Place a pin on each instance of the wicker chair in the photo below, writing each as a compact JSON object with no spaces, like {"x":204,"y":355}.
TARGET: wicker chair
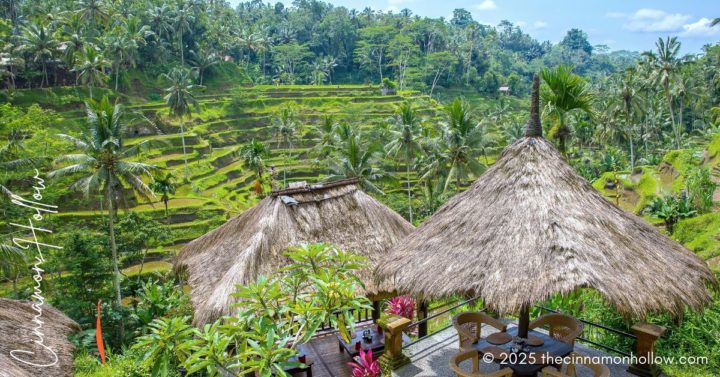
{"x":473,"y":354}
{"x":562,"y":327}
{"x":599,"y":370}
{"x":469,"y":327}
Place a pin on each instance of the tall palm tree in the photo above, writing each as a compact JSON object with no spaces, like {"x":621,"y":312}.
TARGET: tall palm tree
{"x":631,"y":105}
{"x":103,"y":157}
{"x":405,"y":142}
{"x":666,"y":65}
{"x":285,"y":126}
{"x":180,"y":99}
{"x":92,"y":11}
{"x":715,"y":21}
{"x":183,"y":19}
{"x":165,"y":186}
{"x":357,"y":159}
{"x":90,"y":68}
{"x":325,"y":138}
{"x":119,"y":47}
{"x":202,"y":60}
{"x":161,"y":21}
{"x":562,"y":93}
{"x":39,"y":42}
{"x":254,"y":154}
{"x":462,"y":141}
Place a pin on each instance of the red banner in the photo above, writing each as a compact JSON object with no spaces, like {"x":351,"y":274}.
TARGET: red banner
{"x":98,"y":336}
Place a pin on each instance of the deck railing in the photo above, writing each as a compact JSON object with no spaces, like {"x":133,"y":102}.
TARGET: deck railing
{"x":449,"y":307}
{"x":594,"y":332}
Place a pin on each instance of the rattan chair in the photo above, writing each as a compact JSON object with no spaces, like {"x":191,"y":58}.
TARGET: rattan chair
{"x":562,"y":327}
{"x":469,"y":327}
{"x":473,"y":354}
{"x":599,"y":370}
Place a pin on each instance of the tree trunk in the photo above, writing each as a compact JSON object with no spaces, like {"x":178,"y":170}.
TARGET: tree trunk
{"x":165,"y":200}
{"x":672,"y":118}
{"x":435,"y":80}
{"x":113,"y":249}
{"x":117,"y":74}
{"x":409,"y":192}
{"x":182,"y":53}
{"x":182,"y":137}
{"x":90,"y":87}
{"x":632,"y":155}
{"x":380,"y":66}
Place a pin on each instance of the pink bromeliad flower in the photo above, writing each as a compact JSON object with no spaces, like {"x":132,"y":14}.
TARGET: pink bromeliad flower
{"x":366,"y":366}
{"x":403,"y":306}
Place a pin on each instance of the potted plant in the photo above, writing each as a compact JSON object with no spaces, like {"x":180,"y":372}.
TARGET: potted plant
{"x":365,"y":366}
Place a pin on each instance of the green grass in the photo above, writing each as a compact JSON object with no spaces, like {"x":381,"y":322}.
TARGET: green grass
{"x":700,"y":234}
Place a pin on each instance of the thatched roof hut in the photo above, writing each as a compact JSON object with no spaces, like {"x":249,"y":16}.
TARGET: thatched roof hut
{"x":17,"y":331}
{"x":531,"y":227}
{"x":254,"y":242}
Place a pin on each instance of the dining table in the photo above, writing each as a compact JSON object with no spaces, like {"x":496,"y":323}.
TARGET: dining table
{"x":541,"y":350}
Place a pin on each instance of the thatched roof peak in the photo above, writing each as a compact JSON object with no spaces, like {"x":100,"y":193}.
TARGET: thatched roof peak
{"x":531,"y":227}
{"x":534,"y":126}
{"x":253,"y":243}
{"x":17,"y":333}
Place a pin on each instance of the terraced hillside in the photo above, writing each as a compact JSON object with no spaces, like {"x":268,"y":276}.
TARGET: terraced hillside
{"x":219,"y":186}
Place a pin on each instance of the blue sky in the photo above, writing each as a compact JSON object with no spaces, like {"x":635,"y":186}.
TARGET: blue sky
{"x":632,"y":25}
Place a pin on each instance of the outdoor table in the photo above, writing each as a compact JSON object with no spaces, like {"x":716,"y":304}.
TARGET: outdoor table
{"x":308,"y":364}
{"x":377,"y":345}
{"x":551,"y":346}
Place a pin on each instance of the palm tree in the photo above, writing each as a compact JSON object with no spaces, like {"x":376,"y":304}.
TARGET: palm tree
{"x":92,"y":11}
{"x":90,"y":68}
{"x":631,"y":107}
{"x":183,"y":18}
{"x":405,"y":142}
{"x":325,"y":138}
{"x":356,"y":159}
{"x":180,"y":100}
{"x":203,"y":60}
{"x":161,"y":21}
{"x":461,"y":140}
{"x":104,"y":158}
{"x":715,"y":21}
{"x":12,"y":259}
{"x":285,"y":127}
{"x":164,"y":185}
{"x":665,"y":66}
{"x":562,"y":93}
{"x":253,"y":155}
{"x":37,"y":41}
{"x":119,"y":47}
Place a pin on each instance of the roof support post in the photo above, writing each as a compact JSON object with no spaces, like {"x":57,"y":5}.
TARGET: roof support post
{"x":647,"y":334}
{"x":393,"y":357}
{"x":422,"y":313}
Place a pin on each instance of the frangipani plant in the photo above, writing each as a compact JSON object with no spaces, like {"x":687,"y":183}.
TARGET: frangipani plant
{"x":279,"y":313}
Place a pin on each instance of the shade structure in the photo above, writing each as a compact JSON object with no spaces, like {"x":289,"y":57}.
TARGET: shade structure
{"x":18,"y":334}
{"x":253,"y":243}
{"x":531,"y":227}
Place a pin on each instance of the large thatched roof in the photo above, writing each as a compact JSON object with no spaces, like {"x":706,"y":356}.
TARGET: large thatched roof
{"x":17,"y":333}
{"x":530,"y":227}
{"x":253,"y":243}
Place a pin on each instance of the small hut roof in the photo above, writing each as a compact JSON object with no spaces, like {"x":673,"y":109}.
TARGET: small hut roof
{"x":16,"y":332}
{"x":531,"y":227}
{"x":254,"y":242}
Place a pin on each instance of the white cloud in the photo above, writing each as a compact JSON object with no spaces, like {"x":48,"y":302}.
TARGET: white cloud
{"x":486,"y":5}
{"x":700,"y":28}
{"x":540,"y":24}
{"x":654,"y":20}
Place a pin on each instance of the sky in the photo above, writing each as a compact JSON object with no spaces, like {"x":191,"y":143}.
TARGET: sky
{"x":621,"y":25}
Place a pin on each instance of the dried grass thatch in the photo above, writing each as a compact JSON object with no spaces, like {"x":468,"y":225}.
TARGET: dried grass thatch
{"x":253,"y":243}
{"x":531,"y":227}
{"x":17,"y":333}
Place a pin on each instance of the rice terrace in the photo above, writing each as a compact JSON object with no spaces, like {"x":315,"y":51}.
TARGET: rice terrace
{"x":359,"y":188}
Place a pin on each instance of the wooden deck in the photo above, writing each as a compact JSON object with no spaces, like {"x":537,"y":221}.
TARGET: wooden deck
{"x":327,"y":359}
